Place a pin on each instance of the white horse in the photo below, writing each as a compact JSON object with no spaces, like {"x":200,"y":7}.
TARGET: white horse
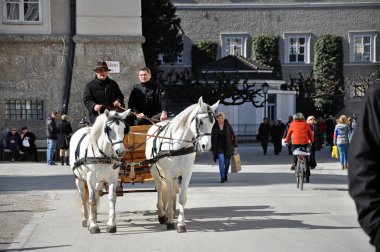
{"x":173,"y":151}
{"x":95,"y":156}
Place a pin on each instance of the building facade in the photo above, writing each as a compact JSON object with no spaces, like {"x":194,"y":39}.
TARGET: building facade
{"x":41,"y":40}
{"x":299,"y":24}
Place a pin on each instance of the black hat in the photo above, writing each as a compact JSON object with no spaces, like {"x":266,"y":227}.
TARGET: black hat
{"x":101,"y":65}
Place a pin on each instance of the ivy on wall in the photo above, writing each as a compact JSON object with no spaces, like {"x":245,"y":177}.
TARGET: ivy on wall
{"x":328,"y":74}
{"x":265,"y":51}
{"x":202,"y":53}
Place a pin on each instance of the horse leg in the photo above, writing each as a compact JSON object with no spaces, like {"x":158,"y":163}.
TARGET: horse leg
{"x":93,"y":226}
{"x":181,"y":226}
{"x":83,"y":193}
{"x":111,"y":224}
{"x":161,"y":195}
{"x":171,"y":196}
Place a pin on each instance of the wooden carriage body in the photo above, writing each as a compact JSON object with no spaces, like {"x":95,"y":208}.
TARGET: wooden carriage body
{"x":135,"y":143}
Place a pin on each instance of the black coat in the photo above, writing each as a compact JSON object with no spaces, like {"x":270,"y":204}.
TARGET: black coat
{"x":318,"y":137}
{"x":364,"y":166}
{"x":230,"y":141}
{"x":147,"y":98}
{"x":32,"y":139}
{"x":65,"y":130}
{"x":101,"y":92}
{"x":51,"y":129}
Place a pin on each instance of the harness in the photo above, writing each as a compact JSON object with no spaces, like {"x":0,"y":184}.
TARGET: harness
{"x":104,"y":159}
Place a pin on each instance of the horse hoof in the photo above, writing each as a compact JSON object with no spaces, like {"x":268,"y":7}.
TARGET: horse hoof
{"x":170,"y":226}
{"x":94,"y":230}
{"x":162,"y":219}
{"x":111,"y":229}
{"x":181,"y":229}
{"x":84,"y":223}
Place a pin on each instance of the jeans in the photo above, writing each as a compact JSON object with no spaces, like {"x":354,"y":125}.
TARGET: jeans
{"x":343,"y":153}
{"x":51,"y":145}
{"x":224,"y":165}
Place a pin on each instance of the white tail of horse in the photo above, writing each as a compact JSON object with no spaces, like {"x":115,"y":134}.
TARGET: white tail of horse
{"x":178,"y":139}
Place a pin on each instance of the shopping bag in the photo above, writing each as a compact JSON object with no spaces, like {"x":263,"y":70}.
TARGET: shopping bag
{"x":334,"y":152}
{"x":235,"y":163}
{"x":25,"y":142}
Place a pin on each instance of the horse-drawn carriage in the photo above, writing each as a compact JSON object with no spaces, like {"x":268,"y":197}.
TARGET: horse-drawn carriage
{"x":108,"y":154}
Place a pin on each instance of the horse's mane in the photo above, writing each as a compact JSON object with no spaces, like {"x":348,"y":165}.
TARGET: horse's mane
{"x":182,"y":120}
{"x":97,"y":128}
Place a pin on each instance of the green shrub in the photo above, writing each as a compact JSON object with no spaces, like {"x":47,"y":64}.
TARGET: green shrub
{"x":265,"y":50}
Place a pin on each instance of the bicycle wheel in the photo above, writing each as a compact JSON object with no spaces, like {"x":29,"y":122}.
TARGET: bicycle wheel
{"x":302,"y":174}
{"x":298,"y":174}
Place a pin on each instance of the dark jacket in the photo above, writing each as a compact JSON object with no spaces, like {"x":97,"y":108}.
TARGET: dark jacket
{"x":64,"y":129}
{"x":264,"y":130}
{"x":32,"y":139}
{"x":276,"y":132}
{"x":230,"y":141}
{"x":15,"y":137}
{"x":51,"y":129}
{"x":147,"y":98}
{"x":101,"y":92}
{"x":364,"y":166}
{"x":318,"y":136}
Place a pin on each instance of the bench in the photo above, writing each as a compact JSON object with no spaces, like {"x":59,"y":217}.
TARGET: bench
{"x":41,"y":149}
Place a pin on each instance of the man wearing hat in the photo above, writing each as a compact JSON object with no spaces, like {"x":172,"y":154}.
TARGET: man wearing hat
{"x":101,"y":93}
{"x":28,"y":143}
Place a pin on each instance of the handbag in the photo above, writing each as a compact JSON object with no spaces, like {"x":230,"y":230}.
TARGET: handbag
{"x":25,"y":142}
{"x":235,"y":163}
{"x":334,"y":152}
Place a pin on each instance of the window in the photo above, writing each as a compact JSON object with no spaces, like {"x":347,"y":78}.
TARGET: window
{"x":179,"y":60}
{"x":24,"y":110}
{"x":234,"y":44}
{"x":297,"y":48}
{"x":25,"y":11}
{"x":362,"y":46}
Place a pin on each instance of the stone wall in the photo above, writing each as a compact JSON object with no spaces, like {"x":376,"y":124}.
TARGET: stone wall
{"x":32,"y":67}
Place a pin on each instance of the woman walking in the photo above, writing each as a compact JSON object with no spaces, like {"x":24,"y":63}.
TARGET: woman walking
{"x":223,"y":142}
{"x":65,"y":130}
{"x":341,"y":139}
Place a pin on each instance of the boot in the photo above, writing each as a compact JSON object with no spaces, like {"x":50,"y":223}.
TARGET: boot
{"x":62,"y":161}
{"x":342,"y":167}
{"x":67,"y":160}
{"x":346,"y":166}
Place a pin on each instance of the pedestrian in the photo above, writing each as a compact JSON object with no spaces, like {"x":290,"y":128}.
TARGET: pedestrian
{"x":65,"y":130}
{"x":52,"y":137}
{"x":364,"y":161}
{"x":12,"y":141}
{"x":330,"y":126}
{"x":276,"y":133}
{"x":317,"y":145}
{"x":147,"y":101}
{"x":28,"y":145}
{"x":352,"y":125}
{"x":223,"y":142}
{"x":102,"y":93}
{"x":287,"y":125}
{"x":341,"y":139}
{"x":264,"y":133}
{"x":302,"y":137}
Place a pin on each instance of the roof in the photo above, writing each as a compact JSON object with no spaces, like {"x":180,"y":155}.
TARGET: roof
{"x":236,"y":64}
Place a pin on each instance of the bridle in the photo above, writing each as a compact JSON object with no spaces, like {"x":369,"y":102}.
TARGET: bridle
{"x":198,"y":122}
{"x":107,"y":129}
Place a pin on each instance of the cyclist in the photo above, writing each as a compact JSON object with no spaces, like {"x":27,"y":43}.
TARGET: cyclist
{"x":302,"y":136}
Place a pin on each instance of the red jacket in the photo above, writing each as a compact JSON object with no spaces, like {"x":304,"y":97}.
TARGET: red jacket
{"x":300,"y":132}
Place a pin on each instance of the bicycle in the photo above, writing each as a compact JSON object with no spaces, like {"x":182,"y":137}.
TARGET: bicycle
{"x":300,"y":170}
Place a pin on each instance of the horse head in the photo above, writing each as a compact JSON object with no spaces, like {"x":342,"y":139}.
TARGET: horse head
{"x":115,"y":129}
{"x":202,"y":124}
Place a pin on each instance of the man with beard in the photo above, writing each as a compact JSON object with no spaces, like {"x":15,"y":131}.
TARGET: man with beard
{"x":102,"y":93}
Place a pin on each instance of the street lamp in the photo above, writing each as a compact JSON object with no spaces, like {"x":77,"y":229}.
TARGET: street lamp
{"x":265,"y":88}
